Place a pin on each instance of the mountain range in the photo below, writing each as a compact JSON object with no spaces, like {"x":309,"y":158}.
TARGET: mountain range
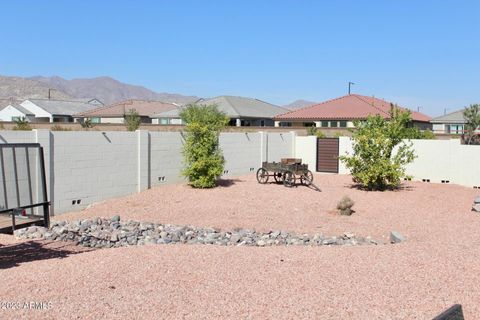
{"x":106,"y":89}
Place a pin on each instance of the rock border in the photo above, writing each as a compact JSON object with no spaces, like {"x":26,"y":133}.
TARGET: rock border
{"x":114,"y":233}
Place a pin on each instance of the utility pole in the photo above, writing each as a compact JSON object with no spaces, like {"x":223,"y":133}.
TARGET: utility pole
{"x":349,"y":86}
{"x":49,"y":93}
{"x":418,"y":109}
{"x":445,"y":111}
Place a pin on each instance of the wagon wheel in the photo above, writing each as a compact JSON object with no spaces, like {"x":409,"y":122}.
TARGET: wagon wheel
{"x":278,"y":176}
{"x":288,"y":179}
{"x":307,"y":178}
{"x":262,"y":176}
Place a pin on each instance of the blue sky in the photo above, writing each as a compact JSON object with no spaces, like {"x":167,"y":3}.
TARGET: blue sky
{"x":415,"y":53}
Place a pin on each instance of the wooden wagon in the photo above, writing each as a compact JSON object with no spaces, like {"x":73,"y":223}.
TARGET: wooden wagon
{"x":287,"y":171}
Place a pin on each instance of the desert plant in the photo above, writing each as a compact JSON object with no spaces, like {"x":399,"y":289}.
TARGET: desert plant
{"x":373,"y":164}
{"x":345,"y":206}
{"x":472,"y":117}
{"x":320,"y":134}
{"x":21,"y":124}
{"x":87,"y":124}
{"x":427,"y":134}
{"x":132,"y":120}
{"x":58,"y":127}
{"x":203,"y":158}
{"x":312,"y":131}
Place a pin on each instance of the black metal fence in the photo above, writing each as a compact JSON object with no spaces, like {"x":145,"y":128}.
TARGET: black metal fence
{"x":23,"y":185}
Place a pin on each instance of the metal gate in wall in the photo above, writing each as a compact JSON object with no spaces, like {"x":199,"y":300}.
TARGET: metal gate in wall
{"x":327,"y":155}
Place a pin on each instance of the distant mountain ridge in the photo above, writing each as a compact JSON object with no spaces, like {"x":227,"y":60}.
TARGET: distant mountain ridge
{"x":298,"y":104}
{"x":106,"y":89}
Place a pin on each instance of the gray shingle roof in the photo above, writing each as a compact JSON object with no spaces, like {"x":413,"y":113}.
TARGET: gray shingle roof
{"x":21,"y":109}
{"x":235,"y":107}
{"x":62,"y":107}
{"x":453,"y":117}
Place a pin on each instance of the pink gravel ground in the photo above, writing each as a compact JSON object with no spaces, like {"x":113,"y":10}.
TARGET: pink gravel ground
{"x":437,"y":266}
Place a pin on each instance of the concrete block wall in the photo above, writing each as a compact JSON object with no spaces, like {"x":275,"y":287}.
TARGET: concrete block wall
{"x":166,"y":157}
{"x":439,"y":161}
{"x":242,"y":152}
{"x":86,"y":167}
{"x":306,"y":149}
{"x":93,"y":166}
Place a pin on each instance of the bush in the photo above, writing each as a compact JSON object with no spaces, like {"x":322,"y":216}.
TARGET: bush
{"x":21,"y":124}
{"x":204,"y":162}
{"x":373,"y":164}
{"x":312,"y":131}
{"x":345,"y":206}
{"x":320,"y":135}
{"x":132,"y":120}
{"x":1,"y":126}
{"x":58,"y":127}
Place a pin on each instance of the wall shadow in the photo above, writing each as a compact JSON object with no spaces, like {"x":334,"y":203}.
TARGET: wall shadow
{"x":15,"y":254}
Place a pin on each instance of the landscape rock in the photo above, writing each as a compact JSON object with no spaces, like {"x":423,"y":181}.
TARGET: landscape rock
{"x":396,"y":237}
{"x":108,"y":233}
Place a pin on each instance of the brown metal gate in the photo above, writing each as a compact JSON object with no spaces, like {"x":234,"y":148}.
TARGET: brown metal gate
{"x":327,"y":155}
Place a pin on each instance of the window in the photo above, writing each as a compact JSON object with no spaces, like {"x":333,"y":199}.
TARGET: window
{"x":164,"y":121}
{"x":16,"y":118}
{"x":309,"y":124}
{"x":285,"y":124}
{"x":455,"y":129}
{"x":343,"y":124}
{"x":325,"y":124}
{"x":333,"y":124}
{"x":95,"y":120}
{"x":262,"y":123}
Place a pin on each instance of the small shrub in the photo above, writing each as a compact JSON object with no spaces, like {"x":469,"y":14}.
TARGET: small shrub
{"x":1,"y":126}
{"x":312,"y":131}
{"x":203,"y":158}
{"x":428,"y":134}
{"x":345,"y":206}
{"x":132,"y":120}
{"x":338,"y":134}
{"x":21,"y":124}
{"x":58,"y":127}
{"x":320,"y":134}
{"x":374,"y":164}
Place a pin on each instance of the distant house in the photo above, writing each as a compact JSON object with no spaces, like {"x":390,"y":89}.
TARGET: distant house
{"x":14,"y":112}
{"x":51,"y":110}
{"x":115,"y":113}
{"x":242,"y":111}
{"x":342,"y":112}
{"x":450,"y":123}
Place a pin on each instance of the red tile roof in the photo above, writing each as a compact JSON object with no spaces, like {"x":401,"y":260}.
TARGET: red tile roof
{"x":350,"y":107}
{"x":143,"y":107}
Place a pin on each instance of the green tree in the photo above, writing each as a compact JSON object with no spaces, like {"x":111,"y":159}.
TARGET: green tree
{"x":132,"y":120}
{"x":472,"y":117}
{"x":203,"y":158}
{"x":374,"y":164}
{"x":21,"y":124}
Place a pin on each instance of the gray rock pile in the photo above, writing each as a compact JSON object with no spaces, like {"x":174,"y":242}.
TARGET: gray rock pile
{"x":476,"y":204}
{"x":108,"y":233}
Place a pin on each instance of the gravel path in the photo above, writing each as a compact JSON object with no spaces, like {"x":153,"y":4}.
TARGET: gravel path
{"x":436,"y":267}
